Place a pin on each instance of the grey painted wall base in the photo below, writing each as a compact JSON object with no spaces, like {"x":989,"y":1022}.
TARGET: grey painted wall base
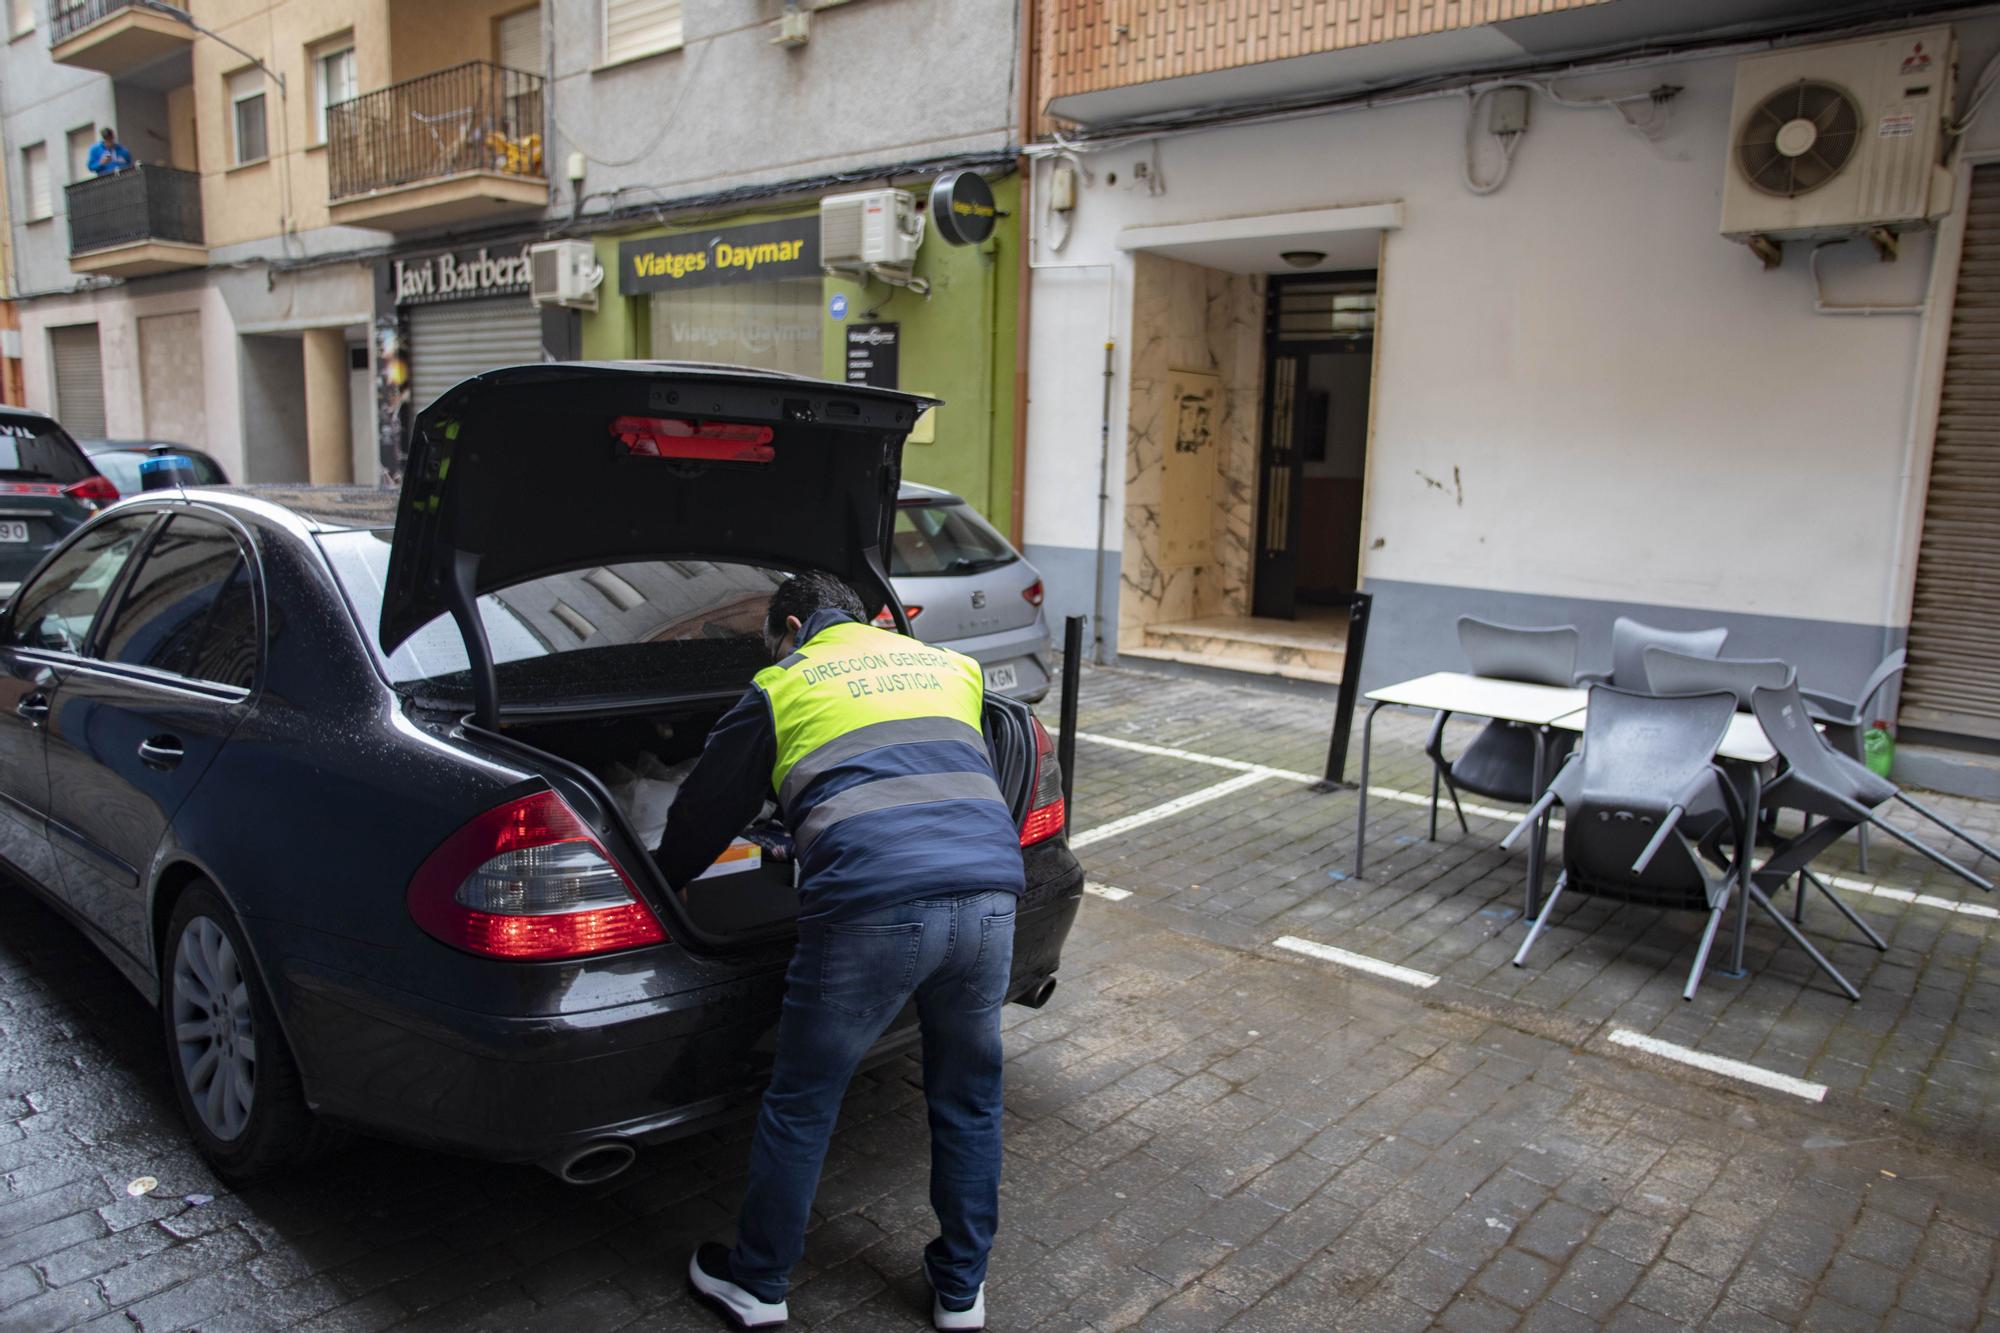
{"x":1066,"y":574}
{"x":1414,"y":630}
{"x":1954,"y":772}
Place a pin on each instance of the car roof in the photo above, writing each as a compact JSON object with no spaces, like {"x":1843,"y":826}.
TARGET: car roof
{"x":915,"y":492}
{"x":133,"y":446}
{"x":322,"y":508}
{"x":14,"y":413}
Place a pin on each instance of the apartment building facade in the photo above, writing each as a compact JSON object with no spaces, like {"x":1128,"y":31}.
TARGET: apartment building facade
{"x":1432,"y":300}
{"x":227,"y":290}
{"x":332,"y":201}
{"x":757,"y":115}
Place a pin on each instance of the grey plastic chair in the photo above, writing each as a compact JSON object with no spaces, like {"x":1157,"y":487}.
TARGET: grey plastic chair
{"x":1500,"y":761}
{"x":1846,"y":720}
{"x":1838,"y":791}
{"x":1631,"y":795}
{"x":1631,"y":638}
{"x":1671,"y":672}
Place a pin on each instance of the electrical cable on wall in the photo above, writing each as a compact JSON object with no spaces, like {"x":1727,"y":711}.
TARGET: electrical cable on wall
{"x":667,"y":121}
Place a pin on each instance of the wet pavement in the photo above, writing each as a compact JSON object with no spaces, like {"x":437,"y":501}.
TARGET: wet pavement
{"x":1204,"y":1129}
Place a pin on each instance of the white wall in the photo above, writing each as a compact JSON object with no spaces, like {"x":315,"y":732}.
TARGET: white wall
{"x":1635,"y":411}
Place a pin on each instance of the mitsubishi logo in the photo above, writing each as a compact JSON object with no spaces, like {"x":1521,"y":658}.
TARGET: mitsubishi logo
{"x":978,"y":599}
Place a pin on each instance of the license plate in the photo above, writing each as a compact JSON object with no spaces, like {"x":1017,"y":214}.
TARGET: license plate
{"x":1001,"y":677}
{"x":13,"y":531}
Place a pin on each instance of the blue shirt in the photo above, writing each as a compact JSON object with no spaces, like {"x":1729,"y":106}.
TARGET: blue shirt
{"x":106,"y":158}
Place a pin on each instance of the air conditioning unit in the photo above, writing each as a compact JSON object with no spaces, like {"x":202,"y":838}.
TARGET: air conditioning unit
{"x":1835,"y":140}
{"x":870,"y":229}
{"x":564,"y":273}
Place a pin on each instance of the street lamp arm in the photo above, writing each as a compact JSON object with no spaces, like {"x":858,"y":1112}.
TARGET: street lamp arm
{"x":182,"y":16}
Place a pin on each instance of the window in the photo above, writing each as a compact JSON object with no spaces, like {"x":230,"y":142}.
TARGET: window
{"x":697,"y":622}
{"x":246,"y":103}
{"x":634,"y":28}
{"x":37,"y":449}
{"x":189,"y":610}
{"x":23,"y":16}
{"x":944,"y":539}
{"x":79,"y":153}
{"x":517,"y":41}
{"x":35,"y":180}
{"x":770,"y":325}
{"x":333,"y":82}
{"x":55,"y":610}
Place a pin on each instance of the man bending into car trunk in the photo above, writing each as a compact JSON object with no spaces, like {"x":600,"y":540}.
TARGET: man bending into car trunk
{"x":910,"y":870}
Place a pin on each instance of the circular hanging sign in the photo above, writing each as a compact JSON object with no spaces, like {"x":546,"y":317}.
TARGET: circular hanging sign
{"x":962,"y":208}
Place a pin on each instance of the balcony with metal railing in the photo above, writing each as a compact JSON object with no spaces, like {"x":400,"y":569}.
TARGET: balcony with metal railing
{"x":145,"y":220}
{"x":116,"y":37}
{"x":459,"y":145}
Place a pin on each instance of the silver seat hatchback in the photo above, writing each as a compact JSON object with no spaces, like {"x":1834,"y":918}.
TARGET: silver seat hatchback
{"x":966,"y":588}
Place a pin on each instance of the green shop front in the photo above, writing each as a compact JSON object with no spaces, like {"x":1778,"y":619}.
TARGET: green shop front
{"x":750,"y":290}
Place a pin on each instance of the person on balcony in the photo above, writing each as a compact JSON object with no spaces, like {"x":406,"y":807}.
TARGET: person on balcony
{"x":108,"y":157}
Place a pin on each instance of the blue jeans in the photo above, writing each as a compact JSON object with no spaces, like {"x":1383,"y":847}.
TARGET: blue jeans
{"x":847,"y":981}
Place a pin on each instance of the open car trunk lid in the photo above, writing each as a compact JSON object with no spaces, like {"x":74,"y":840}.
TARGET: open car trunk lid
{"x":534,"y":470}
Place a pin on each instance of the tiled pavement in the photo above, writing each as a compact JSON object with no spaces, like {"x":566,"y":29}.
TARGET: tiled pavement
{"x":1202,"y":1131}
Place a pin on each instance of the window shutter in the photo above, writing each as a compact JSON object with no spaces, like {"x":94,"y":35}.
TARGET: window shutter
{"x":35,"y":166}
{"x":521,"y":41}
{"x":634,"y":28}
{"x":80,"y":142}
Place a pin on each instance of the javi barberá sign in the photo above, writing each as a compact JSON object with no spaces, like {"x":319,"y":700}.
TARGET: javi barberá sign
{"x":459,"y":275}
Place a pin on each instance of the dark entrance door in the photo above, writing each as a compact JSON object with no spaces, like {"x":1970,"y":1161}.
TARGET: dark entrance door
{"x":1319,"y":346}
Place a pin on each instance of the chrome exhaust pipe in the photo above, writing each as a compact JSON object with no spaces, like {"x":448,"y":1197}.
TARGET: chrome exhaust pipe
{"x":592,"y":1164}
{"x":1038,"y":995}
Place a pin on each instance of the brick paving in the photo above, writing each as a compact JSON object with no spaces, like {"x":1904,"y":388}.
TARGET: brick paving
{"x":1202,"y":1131}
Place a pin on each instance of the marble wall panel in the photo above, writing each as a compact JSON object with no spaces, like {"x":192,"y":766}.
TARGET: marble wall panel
{"x":1185,"y":317}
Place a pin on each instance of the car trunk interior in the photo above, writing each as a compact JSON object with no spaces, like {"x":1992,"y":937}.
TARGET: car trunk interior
{"x":742,"y":901}
{"x":619,"y":752}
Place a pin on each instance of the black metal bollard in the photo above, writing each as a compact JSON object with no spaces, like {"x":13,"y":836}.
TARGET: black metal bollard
{"x":1072,"y":678}
{"x":1350,"y":685}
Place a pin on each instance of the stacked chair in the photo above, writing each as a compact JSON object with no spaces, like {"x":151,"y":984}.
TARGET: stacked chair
{"x":1646,"y":812}
{"x":1500,"y":761}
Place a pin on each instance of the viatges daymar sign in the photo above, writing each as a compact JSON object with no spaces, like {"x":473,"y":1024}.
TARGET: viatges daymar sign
{"x":758,"y":252}
{"x":460,"y":275}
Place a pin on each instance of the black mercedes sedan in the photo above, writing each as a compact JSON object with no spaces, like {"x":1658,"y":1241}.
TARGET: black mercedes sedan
{"x":361,"y":797}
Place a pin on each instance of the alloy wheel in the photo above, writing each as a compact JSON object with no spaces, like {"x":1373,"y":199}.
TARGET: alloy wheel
{"x":214,"y":1032}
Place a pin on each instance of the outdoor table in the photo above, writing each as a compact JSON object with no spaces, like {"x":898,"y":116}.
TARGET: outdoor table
{"x":1535,"y":706}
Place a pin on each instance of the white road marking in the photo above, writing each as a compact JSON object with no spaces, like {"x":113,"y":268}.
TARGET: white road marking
{"x":1168,"y":810}
{"x":1870,"y":887}
{"x":1360,"y":962}
{"x":1105,"y":891}
{"x":1717,"y":1064}
{"x":1289,"y":774}
{"x":1847,"y":882}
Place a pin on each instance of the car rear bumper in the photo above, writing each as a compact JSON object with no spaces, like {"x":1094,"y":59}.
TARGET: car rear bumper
{"x":528,"y":1089}
{"x":1028,"y":648}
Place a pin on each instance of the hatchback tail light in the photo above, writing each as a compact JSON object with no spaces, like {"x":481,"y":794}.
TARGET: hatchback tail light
{"x":885,"y":620}
{"x":92,"y":491}
{"x":694,"y":441}
{"x":528,"y":880}
{"x":1032,"y":594}
{"x":1045,"y":799}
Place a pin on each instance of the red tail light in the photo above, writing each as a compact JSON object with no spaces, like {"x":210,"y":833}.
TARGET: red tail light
{"x":92,"y":491}
{"x":701,"y":441}
{"x":1045,"y":799}
{"x":884,"y":620}
{"x":1032,"y":594}
{"x":528,"y":880}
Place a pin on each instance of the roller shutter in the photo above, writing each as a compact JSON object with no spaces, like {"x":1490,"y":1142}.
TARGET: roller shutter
{"x":1953,"y":682}
{"x":79,"y":367}
{"x":452,"y":342}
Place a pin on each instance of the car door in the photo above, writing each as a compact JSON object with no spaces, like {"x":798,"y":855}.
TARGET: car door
{"x":41,"y":637}
{"x":135,"y":722}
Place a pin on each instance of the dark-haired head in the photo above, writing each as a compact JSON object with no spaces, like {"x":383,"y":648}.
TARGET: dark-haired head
{"x":798,"y":598}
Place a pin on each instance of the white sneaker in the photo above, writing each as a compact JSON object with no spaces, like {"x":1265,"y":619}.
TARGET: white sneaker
{"x":973,"y":1318}
{"x":708,"y":1274}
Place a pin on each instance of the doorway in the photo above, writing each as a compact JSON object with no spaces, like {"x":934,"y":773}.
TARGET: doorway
{"x":1319,"y":355}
